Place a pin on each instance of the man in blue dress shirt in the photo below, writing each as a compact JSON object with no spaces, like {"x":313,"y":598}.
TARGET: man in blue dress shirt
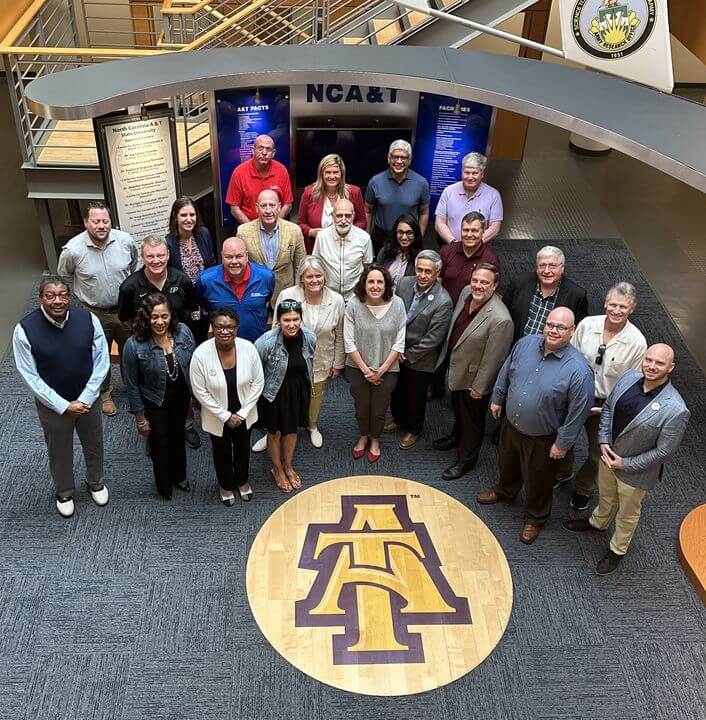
{"x":546,"y":388}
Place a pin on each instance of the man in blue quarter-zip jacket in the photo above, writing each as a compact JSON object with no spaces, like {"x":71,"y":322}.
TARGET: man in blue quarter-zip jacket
{"x":239,"y":284}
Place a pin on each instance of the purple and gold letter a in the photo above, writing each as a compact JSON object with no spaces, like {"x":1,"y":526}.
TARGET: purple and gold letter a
{"x":378,"y":573}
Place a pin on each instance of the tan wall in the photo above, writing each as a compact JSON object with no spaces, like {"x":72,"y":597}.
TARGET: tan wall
{"x":11,"y":13}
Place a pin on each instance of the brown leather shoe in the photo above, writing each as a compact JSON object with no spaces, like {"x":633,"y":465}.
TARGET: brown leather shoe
{"x":407,"y":441}
{"x":529,"y":533}
{"x":390,"y":426}
{"x":108,"y":406}
{"x":488,"y":497}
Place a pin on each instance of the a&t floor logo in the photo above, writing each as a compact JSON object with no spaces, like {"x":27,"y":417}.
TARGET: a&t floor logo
{"x":377,"y":573}
{"x":379,"y":585}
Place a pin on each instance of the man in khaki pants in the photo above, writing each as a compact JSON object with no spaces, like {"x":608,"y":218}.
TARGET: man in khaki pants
{"x":642,"y":423}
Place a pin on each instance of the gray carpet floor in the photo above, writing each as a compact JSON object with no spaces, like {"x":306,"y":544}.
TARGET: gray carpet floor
{"x":139,"y":610}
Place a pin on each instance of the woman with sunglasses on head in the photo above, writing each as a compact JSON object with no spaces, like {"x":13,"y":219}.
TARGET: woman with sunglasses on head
{"x":287,"y":354}
{"x":191,"y":250}
{"x":155,"y":365}
{"x":398,"y":253}
{"x":226,"y":378}
{"x":316,"y":205}
{"x":374,"y":335}
{"x":323,"y":314}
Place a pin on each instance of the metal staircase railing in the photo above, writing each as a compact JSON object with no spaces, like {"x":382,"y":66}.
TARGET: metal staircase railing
{"x":51,"y":36}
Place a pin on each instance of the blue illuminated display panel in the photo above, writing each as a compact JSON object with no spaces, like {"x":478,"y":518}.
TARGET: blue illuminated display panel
{"x":447,"y":129}
{"x":239,"y":120}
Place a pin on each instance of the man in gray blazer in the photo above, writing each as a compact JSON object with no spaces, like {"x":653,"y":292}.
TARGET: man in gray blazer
{"x":428,"y":308}
{"x":478,"y":341}
{"x":642,"y":423}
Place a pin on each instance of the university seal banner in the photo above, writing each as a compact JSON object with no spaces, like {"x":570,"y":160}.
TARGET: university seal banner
{"x":628,"y":38}
{"x":379,"y":585}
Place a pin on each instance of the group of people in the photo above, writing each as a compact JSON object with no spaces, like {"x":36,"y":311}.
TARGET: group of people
{"x":292,"y":305}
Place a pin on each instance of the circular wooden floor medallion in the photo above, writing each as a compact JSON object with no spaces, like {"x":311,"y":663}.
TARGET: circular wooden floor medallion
{"x":379,"y":585}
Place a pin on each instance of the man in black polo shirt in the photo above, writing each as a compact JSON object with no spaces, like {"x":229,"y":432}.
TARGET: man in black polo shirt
{"x":641,"y":426}
{"x":158,"y":276}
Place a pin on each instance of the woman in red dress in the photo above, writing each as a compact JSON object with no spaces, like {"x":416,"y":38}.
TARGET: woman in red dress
{"x":317,"y":201}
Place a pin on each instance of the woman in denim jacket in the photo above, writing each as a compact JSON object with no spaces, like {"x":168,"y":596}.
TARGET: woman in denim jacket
{"x":155,"y":363}
{"x":287,"y":354}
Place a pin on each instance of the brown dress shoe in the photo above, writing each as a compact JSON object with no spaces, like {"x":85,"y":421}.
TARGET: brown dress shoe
{"x":529,"y":533}
{"x":108,"y":406}
{"x":390,"y":427}
{"x":407,"y":441}
{"x":488,"y":497}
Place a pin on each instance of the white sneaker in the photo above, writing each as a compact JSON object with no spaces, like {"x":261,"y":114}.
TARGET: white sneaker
{"x":260,"y":445}
{"x":65,"y":507}
{"x":317,"y":439}
{"x":100,"y":497}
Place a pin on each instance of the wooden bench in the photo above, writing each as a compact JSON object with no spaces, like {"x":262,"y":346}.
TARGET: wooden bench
{"x":692,"y":548}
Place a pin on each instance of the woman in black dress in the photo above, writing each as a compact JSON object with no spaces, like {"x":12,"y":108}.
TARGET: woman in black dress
{"x":287,"y":354}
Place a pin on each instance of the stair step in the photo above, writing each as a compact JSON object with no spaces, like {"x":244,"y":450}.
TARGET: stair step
{"x":414,"y":18}
{"x":355,"y":41}
{"x":386,"y":30}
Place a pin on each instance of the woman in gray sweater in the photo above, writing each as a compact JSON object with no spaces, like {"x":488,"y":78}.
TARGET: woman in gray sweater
{"x":373,"y":333}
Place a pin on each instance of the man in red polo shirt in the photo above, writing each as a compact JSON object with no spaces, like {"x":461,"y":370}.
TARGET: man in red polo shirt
{"x":251,"y":177}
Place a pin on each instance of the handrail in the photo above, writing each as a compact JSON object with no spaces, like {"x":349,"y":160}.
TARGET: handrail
{"x":191,"y":10}
{"x":23,"y":21}
{"x":228,"y":22}
{"x":78,"y":52}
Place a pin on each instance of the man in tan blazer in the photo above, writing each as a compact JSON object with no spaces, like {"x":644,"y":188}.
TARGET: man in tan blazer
{"x":478,"y":341}
{"x":275,"y":243}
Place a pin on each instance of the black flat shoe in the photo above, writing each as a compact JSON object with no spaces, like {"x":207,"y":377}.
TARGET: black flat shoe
{"x":184,"y":487}
{"x":445,"y":443}
{"x":228,"y":502}
{"x":457,"y":470}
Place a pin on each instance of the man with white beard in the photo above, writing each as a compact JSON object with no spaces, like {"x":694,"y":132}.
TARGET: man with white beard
{"x":343,"y":249}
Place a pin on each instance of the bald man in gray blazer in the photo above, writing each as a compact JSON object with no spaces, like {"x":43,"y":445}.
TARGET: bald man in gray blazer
{"x":641,"y":426}
{"x":479,"y":340}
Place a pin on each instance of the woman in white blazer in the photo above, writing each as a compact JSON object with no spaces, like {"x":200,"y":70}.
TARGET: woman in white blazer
{"x":323,"y":312}
{"x":226,"y":378}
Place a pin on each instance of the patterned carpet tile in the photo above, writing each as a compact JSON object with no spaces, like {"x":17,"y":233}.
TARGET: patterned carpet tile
{"x":668,"y":680}
{"x":15,"y":672}
{"x":579,"y":681}
{"x":90,"y":687}
{"x":535,"y":590}
{"x":83,"y":615}
{"x":181,"y":687}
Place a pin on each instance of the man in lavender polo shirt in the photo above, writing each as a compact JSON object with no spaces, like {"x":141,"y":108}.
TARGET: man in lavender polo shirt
{"x":468,"y":195}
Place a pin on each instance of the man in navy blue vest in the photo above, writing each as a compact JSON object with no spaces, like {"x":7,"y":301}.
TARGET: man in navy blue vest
{"x":62,"y":355}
